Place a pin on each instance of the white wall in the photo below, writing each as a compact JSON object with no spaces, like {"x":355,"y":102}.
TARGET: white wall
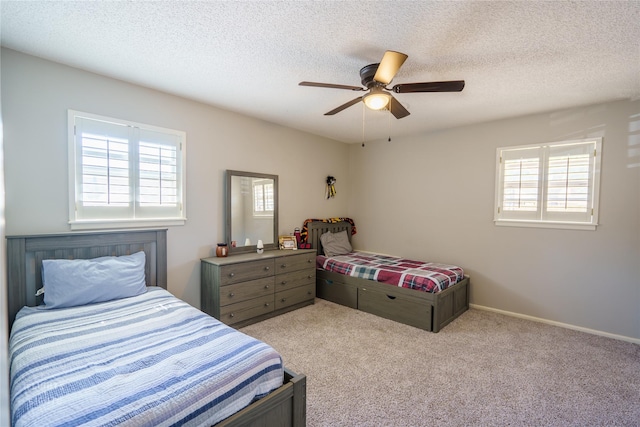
{"x":35,"y":97}
{"x":432,"y":197}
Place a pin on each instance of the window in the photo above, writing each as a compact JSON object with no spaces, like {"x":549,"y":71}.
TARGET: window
{"x":550,"y":185}
{"x":263,"y":201}
{"x":124,"y":174}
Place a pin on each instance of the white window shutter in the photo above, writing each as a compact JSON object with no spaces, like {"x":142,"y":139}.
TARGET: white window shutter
{"x":551,"y":185}
{"x":124,"y":173}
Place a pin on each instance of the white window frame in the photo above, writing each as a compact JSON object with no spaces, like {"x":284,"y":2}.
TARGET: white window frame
{"x":535,"y":185}
{"x":261,"y":207}
{"x":134,"y":210}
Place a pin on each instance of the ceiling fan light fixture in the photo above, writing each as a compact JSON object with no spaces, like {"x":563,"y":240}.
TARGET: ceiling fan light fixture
{"x":376,"y":100}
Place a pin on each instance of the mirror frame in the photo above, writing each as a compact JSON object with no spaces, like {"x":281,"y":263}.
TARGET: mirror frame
{"x":228,"y":224}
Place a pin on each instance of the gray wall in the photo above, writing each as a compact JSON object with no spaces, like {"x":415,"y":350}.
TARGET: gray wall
{"x":437,"y":192}
{"x":35,"y":97}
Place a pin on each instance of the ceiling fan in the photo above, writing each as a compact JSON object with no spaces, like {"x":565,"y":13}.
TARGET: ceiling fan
{"x":376,"y":77}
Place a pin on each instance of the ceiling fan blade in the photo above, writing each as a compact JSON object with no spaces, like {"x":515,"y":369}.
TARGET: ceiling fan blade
{"x":450,"y":86}
{"x":332,"y":86}
{"x":344,"y":106}
{"x":397,"y":109}
{"x":389,"y":66}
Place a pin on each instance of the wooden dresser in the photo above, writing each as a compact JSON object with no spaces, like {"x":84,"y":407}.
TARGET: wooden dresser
{"x":247,"y":288}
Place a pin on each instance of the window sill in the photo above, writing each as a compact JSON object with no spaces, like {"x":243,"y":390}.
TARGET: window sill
{"x":128,"y":223}
{"x":545,"y":224}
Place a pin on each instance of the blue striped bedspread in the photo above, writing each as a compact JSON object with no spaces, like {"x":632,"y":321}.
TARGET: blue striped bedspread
{"x":149,"y":360}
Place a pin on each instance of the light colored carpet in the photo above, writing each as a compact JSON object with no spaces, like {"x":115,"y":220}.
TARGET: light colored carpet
{"x":483,"y":369}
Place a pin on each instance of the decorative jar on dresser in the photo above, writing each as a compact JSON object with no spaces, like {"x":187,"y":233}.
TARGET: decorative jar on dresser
{"x":247,"y":288}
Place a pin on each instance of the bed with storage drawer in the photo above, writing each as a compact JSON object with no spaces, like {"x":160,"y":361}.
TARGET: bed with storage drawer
{"x":118,"y":349}
{"x":426,"y":303}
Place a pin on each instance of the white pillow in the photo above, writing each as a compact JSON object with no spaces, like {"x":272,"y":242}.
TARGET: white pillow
{"x":72,"y":282}
{"x":335,"y":243}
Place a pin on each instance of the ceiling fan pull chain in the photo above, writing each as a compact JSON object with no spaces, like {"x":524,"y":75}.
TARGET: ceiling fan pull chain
{"x":363,"y":111}
{"x":389,"y":121}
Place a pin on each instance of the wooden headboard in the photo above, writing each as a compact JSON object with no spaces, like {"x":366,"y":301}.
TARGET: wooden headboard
{"x":25,"y":255}
{"x":318,"y":228}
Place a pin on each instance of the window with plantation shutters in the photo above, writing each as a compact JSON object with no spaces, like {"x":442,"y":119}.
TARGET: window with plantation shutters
{"x":124,"y":174}
{"x":263,"y":197}
{"x":549,"y":185}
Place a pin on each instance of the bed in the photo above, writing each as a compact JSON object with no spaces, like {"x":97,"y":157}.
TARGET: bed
{"x":89,"y":364}
{"x":430,"y":307}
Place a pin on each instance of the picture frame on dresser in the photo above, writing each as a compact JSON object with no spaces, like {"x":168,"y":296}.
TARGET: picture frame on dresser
{"x":288,"y":242}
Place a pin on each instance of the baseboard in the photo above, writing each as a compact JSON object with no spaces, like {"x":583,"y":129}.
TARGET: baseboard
{"x":554,"y":323}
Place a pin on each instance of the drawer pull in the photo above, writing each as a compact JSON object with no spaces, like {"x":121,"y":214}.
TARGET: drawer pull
{"x":266,"y":268}
{"x":232,"y":274}
{"x":308,"y":292}
{"x":309,"y":261}
{"x":232,"y":315}
{"x":266,"y":304}
{"x":283,"y":266}
{"x":232,"y":294}
{"x":284,"y":282}
{"x":283,"y":300}
{"x":266,"y":286}
{"x":309,"y":276}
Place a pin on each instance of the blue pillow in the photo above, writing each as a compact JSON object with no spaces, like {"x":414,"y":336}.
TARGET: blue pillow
{"x":73,"y":282}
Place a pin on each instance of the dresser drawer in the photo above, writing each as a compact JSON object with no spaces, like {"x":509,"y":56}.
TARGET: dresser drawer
{"x":295,"y":295}
{"x":231,"y":294}
{"x":240,"y":311}
{"x":295,"y":278}
{"x":295,"y":262}
{"x":241,"y":272}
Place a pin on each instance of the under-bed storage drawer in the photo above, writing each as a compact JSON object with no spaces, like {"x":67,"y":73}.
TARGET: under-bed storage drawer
{"x":401,"y":309}
{"x":337,"y":292}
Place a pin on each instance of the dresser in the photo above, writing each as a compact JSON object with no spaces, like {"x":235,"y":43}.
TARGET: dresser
{"x":247,"y":288}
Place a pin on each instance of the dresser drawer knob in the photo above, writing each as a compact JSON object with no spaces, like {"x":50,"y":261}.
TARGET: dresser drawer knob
{"x":310,"y":276}
{"x":308,"y":292}
{"x":232,"y":274}
{"x":283,"y":299}
{"x":284,"y":282}
{"x":266,"y":304}
{"x":232,"y":315}
{"x":266,"y":286}
{"x":267,"y":268}
{"x":309,"y":261}
{"x":283,"y":266}
{"x":231,"y":294}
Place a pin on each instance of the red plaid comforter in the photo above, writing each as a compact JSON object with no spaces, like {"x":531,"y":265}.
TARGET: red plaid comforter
{"x":401,"y":272}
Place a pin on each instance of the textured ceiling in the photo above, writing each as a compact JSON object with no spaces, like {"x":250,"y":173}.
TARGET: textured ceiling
{"x":516,"y":57}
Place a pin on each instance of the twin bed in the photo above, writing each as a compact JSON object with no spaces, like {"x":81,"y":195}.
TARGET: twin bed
{"x":145,"y":359}
{"x":425,"y":295}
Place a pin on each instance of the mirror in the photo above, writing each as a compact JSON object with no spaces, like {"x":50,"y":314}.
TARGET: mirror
{"x":251,"y":211}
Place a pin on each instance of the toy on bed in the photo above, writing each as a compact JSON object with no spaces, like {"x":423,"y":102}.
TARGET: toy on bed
{"x":106,"y":349}
{"x":421,"y":294}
